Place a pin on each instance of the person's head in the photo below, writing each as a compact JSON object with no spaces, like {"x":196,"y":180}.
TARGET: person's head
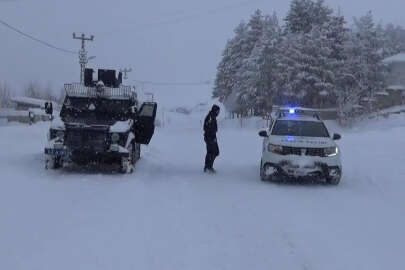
{"x":215,"y":110}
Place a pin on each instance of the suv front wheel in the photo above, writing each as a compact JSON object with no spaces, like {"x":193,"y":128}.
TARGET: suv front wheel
{"x":333,"y":181}
{"x":265,"y":178}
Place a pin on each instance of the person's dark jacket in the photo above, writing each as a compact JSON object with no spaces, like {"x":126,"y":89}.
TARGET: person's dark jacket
{"x":210,"y":126}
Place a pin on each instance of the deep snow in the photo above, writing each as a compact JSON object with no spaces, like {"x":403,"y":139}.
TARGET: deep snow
{"x":169,"y":215}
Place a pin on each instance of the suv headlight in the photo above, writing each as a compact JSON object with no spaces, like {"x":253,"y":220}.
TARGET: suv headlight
{"x":331,"y":151}
{"x":278,"y":149}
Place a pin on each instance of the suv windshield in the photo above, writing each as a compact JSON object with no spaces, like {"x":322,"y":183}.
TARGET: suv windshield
{"x":299,"y":128}
{"x":95,"y":110}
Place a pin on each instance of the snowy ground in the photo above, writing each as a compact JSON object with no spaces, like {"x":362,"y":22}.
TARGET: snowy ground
{"x":169,"y":215}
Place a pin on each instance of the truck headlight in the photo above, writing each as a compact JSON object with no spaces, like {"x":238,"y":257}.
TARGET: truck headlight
{"x":278,"y":149}
{"x":115,"y":137}
{"x":331,"y":151}
{"x":60,"y":134}
{"x":56,"y":133}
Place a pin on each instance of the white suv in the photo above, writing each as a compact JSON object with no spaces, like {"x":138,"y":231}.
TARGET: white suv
{"x":299,"y":146}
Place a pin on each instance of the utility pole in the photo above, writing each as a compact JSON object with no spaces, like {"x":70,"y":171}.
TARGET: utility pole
{"x":151,"y":95}
{"x":125,"y":71}
{"x":83,"y":60}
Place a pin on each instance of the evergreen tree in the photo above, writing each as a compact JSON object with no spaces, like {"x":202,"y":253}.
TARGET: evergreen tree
{"x":5,"y":95}
{"x":232,"y":58}
{"x":349,"y":86}
{"x":248,"y":73}
{"x":394,"y":40}
{"x":308,"y":68}
{"x":369,"y":44}
{"x":259,"y":76}
{"x":305,"y":14}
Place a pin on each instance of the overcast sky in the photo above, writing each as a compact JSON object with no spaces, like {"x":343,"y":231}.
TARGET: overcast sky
{"x":162,"y":40}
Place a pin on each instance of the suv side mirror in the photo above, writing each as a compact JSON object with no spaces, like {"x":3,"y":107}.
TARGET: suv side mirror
{"x":49,"y":108}
{"x":336,"y":137}
{"x":263,"y":133}
{"x":133,"y":111}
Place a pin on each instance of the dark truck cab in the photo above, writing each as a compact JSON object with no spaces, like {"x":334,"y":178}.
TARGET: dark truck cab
{"x":100,"y":123}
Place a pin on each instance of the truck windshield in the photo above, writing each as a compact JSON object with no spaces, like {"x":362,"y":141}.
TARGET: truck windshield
{"x":299,"y":128}
{"x":95,"y":109}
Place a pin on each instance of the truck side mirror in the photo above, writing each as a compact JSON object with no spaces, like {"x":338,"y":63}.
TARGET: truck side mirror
{"x":48,"y":108}
{"x":263,"y":134}
{"x":133,"y":111}
{"x":336,"y":137}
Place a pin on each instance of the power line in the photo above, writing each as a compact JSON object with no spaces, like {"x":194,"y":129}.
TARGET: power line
{"x":186,"y":17}
{"x":47,"y":44}
{"x":174,"y":83}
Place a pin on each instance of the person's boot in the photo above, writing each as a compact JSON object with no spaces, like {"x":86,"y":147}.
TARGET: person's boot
{"x":212,"y":171}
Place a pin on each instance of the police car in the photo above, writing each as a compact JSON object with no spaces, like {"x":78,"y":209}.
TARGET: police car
{"x":298,"y":146}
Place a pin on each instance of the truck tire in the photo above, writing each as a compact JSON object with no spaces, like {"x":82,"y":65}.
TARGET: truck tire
{"x":128,"y":164}
{"x":52,"y":163}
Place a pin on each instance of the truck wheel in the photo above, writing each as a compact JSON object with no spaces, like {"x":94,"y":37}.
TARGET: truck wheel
{"x":137,"y":152}
{"x":127,"y":164}
{"x":53,"y":163}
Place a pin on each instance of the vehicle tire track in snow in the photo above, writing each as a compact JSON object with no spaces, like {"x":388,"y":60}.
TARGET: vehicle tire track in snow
{"x":294,"y":252}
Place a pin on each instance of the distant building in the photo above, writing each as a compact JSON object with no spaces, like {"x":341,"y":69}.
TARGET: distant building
{"x":23,"y":107}
{"x":26,"y":103}
{"x":395,"y":92}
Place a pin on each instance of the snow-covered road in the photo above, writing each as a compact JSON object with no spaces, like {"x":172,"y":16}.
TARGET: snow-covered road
{"x":169,"y":215}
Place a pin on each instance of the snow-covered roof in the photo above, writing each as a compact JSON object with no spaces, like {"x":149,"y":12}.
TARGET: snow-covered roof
{"x":29,"y":101}
{"x":382,"y":93}
{"x":395,"y":58}
{"x":396,"y":87}
{"x":369,"y":99}
{"x":324,"y":93}
{"x":37,"y":111}
{"x":12,"y":112}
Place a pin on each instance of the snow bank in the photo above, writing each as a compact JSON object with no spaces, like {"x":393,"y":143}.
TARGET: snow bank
{"x":169,"y":215}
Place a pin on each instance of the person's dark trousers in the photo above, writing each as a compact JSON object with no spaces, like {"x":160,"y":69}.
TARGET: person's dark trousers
{"x":212,"y":153}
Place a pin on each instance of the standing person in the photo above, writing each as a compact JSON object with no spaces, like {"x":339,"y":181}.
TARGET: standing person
{"x":31,"y":117}
{"x":210,"y":138}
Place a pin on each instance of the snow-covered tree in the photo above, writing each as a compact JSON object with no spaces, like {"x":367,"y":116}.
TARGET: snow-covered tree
{"x":369,"y":44}
{"x":232,"y":59}
{"x":307,"y":67}
{"x":394,"y":40}
{"x":349,"y":78}
{"x":5,"y":95}
{"x":267,"y":52}
{"x":314,"y":60}
{"x":305,"y":14}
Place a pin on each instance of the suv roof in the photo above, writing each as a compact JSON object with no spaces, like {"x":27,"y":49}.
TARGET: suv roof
{"x":299,"y":118}
{"x":297,"y":114}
